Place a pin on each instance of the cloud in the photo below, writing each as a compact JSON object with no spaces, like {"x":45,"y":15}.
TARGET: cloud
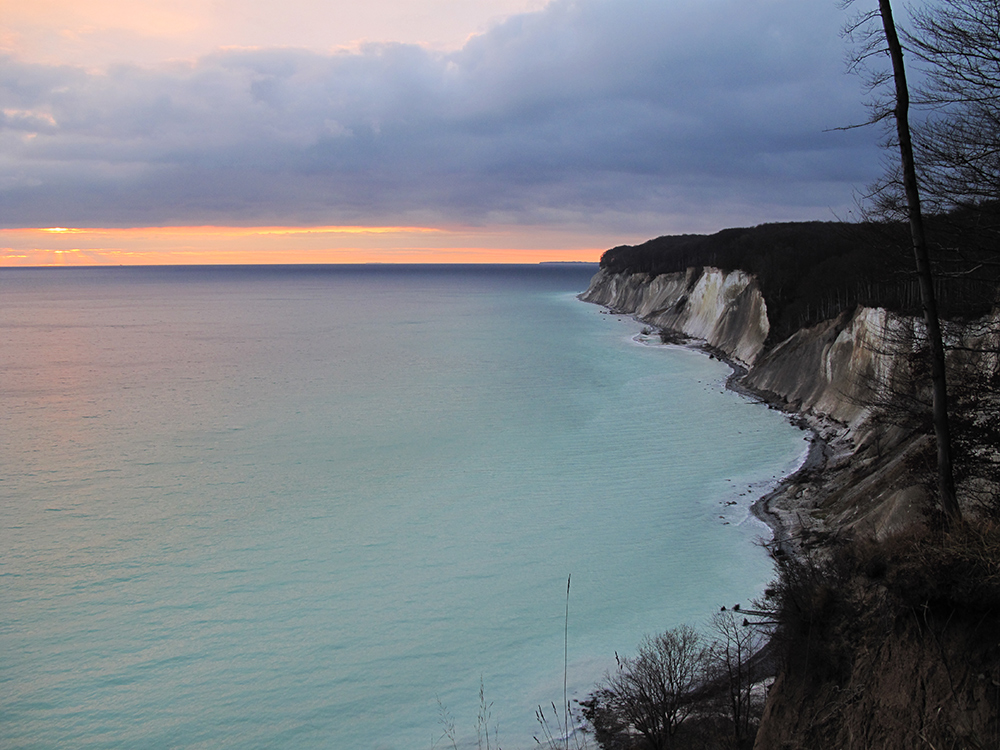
{"x":588,"y":112}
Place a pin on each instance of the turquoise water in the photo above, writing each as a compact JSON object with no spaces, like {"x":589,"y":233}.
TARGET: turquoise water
{"x":314,"y":507}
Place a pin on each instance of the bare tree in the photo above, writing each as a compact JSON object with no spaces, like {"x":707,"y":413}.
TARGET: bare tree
{"x":942,"y":430}
{"x":900,"y":113}
{"x":654,"y":693}
{"x":736,"y":666}
{"x":959,"y":146}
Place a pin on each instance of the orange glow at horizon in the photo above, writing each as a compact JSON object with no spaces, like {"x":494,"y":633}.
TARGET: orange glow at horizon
{"x":226,"y":231}
{"x":222,"y":245}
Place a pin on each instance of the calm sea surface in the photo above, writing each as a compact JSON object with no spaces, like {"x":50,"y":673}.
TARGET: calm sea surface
{"x":318,"y":507}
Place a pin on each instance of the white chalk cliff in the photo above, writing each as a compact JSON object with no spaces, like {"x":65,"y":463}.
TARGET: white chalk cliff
{"x":830,"y":369}
{"x":831,"y":374}
{"x":724,"y":309}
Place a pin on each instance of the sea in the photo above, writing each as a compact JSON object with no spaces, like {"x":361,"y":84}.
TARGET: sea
{"x":361,"y":507}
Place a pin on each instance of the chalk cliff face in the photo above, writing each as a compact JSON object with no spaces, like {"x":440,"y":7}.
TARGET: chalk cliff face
{"x":838,"y":367}
{"x":831,"y":369}
{"x":830,"y":374}
{"x":726,"y":310}
{"x":833,"y":374}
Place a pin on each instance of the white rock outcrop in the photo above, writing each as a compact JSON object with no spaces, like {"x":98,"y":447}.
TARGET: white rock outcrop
{"x":724,"y":309}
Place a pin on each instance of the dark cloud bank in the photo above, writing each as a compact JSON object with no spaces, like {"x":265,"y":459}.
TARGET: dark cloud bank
{"x":603,"y":113}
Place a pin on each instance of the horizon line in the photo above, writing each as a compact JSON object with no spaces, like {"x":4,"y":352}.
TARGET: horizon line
{"x":305,"y":264}
{"x":292,"y":245}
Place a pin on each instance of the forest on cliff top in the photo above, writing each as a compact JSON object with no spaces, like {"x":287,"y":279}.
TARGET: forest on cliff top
{"x":812,"y":271}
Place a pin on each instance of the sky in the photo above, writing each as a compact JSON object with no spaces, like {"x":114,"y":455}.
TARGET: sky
{"x":185,"y":131}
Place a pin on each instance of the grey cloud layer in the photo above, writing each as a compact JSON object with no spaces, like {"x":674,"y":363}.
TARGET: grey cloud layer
{"x":587,"y":112}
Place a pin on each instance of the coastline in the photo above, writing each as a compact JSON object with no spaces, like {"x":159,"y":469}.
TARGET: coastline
{"x":788,"y":527}
{"x":857,"y":478}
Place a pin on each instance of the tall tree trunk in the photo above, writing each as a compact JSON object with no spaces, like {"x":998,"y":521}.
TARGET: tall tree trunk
{"x":946,"y":477}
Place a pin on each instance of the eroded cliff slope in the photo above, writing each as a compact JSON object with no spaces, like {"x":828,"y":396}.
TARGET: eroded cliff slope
{"x":725,"y":310}
{"x":828,"y":370}
{"x":836,"y":376}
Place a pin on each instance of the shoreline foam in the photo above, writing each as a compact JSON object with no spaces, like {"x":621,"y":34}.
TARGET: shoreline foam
{"x":786,"y":527}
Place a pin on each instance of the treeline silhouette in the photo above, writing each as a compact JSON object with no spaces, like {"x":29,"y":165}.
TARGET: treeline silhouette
{"x":812,"y":271}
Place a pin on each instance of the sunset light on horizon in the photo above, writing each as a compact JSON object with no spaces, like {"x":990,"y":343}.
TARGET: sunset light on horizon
{"x":415,"y":130}
{"x":221,"y":245}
